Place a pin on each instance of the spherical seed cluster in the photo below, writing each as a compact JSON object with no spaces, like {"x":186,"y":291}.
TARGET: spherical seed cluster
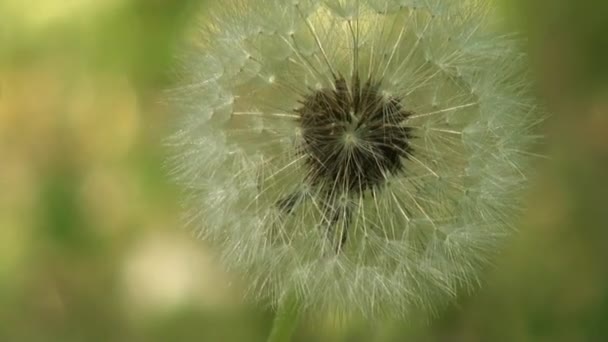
{"x":365,"y":155}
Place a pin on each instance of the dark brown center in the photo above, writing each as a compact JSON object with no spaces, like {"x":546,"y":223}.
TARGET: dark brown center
{"x":353,"y":137}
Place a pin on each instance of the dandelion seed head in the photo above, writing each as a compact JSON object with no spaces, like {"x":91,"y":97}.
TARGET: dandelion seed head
{"x":366,"y":155}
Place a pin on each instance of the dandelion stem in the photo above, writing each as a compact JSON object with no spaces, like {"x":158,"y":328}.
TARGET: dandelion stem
{"x":285,"y":320}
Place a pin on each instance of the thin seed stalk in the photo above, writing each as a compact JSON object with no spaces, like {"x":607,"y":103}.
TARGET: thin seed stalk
{"x":285,"y":320}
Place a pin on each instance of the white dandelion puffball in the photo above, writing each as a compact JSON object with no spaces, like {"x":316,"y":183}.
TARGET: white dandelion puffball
{"x":366,"y":156}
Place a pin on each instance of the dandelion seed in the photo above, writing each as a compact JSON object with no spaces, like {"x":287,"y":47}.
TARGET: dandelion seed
{"x":364,"y":155}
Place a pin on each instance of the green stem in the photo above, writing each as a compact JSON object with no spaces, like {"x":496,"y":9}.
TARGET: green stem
{"x":285,"y":320}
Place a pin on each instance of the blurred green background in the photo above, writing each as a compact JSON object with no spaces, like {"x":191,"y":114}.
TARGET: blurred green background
{"x":91,"y":244}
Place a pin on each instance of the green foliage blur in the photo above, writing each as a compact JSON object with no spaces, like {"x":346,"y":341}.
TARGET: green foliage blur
{"x":91,"y":242}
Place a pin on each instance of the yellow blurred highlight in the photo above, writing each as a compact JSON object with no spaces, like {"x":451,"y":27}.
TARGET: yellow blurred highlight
{"x":37,"y":15}
{"x":164,"y":272}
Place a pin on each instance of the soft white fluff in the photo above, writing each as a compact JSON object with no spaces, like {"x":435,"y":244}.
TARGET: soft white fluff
{"x":422,"y":236}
